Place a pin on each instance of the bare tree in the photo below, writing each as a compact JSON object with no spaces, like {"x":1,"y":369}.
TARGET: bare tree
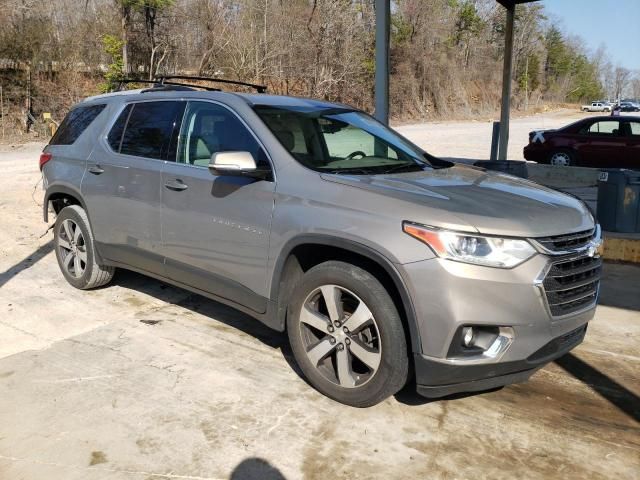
{"x":621,"y":77}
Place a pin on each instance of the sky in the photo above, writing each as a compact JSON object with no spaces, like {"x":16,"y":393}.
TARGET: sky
{"x":613,"y":23}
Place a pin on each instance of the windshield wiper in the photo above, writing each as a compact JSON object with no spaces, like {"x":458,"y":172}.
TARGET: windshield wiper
{"x":399,"y":168}
{"x":361,"y":171}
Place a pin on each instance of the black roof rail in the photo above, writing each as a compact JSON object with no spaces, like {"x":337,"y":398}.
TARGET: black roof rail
{"x":163,"y":80}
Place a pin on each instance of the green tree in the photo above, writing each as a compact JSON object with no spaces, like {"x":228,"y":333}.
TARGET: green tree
{"x":115,"y":70}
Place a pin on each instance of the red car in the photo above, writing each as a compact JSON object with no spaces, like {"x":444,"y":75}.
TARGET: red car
{"x":599,"y":142}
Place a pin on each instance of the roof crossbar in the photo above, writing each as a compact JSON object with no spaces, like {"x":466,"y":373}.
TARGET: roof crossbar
{"x":162,"y":86}
{"x":163,"y":79}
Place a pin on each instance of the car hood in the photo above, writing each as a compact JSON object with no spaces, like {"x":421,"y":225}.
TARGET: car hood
{"x":488,"y":202}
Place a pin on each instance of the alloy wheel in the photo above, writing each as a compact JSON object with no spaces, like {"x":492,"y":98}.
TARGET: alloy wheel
{"x":340,"y":336}
{"x":73,"y":249}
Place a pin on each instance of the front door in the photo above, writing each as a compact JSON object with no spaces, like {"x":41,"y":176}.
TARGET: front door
{"x":215,"y":229}
{"x":121,"y":186}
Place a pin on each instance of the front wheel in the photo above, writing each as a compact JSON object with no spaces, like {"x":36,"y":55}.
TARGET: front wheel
{"x":346,"y":335}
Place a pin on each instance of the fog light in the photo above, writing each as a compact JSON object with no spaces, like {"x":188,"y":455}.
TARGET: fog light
{"x":467,"y":336}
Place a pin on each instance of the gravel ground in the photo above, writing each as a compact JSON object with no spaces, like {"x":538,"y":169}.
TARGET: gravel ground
{"x":140,"y":380}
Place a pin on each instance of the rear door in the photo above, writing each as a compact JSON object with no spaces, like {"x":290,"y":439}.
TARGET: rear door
{"x":603,"y":145}
{"x":121,"y":186}
{"x":215,"y":229}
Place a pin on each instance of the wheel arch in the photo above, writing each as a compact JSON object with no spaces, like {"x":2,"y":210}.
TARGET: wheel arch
{"x":60,"y":196}
{"x":306,"y":251}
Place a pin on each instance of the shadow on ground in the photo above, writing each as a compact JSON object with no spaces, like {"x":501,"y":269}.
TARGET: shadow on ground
{"x":622,"y":398}
{"x":216,"y":311}
{"x":256,"y":469}
{"x":26,"y":262}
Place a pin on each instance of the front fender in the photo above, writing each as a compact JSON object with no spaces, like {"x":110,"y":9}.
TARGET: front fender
{"x":391,"y":268}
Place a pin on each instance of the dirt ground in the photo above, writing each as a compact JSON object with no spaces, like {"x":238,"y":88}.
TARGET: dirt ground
{"x":140,"y":380}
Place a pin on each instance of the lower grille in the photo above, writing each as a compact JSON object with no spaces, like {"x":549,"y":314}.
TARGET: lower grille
{"x":560,"y":344}
{"x":572,"y":284}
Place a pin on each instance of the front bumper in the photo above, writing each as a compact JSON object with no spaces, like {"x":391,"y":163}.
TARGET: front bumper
{"x":448,"y":295}
{"x":446,"y":379}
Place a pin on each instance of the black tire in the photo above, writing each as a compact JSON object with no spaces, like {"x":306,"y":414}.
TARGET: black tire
{"x":392,"y":370}
{"x":565,"y":154}
{"x":90,"y":273}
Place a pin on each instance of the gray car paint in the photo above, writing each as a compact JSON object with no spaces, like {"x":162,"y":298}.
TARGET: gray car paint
{"x":242,"y":236}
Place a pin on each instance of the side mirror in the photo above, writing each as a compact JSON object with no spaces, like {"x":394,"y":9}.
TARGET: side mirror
{"x":232,"y":163}
{"x":237,"y":164}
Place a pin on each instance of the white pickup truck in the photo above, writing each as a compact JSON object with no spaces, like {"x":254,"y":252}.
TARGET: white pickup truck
{"x":596,"y":107}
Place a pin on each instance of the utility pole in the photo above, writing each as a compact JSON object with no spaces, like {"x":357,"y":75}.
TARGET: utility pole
{"x":29,"y":115}
{"x":506,"y":83}
{"x":2,"y":111}
{"x":383,"y":20}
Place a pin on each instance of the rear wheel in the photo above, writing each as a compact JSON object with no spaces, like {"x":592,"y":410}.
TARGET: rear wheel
{"x":561,"y":158}
{"x":346,"y":335}
{"x":75,"y":250}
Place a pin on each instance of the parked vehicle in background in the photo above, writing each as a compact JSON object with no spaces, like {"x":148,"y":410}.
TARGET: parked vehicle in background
{"x":629,"y":107}
{"x":597,"y":107}
{"x":375,"y":257}
{"x":599,"y":142}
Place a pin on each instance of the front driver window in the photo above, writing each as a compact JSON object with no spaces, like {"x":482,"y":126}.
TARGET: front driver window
{"x":208,"y":128}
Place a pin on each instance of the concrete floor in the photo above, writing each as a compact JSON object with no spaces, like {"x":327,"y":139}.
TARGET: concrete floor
{"x":140,"y":380}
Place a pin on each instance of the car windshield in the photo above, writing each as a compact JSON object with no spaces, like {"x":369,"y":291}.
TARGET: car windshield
{"x":341,"y":140}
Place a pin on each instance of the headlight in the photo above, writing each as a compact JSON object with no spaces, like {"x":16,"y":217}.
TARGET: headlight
{"x":476,"y":249}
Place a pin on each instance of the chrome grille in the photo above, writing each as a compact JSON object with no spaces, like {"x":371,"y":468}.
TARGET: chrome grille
{"x":572,"y":284}
{"x":570,"y":241}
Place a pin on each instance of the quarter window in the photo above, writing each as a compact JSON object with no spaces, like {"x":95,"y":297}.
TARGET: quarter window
{"x":209,"y":128}
{"x":149,"y":128}
{"x":76,"y":122}
{"x":115,"y":135}
{"x":635,"y":128}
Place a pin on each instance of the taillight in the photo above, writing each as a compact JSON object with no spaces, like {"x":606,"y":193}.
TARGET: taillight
{"x":44,"y":158}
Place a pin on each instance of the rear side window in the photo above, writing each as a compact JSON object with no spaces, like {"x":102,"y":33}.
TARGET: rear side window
{"x":76,"y":122}
{"x":149,"y":128}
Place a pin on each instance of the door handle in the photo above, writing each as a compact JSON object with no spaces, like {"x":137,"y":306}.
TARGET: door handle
{"x":96,"y":170}
{"x":176,"y":185}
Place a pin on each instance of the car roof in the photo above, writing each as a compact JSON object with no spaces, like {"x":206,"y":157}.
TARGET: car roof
{"x":609,"y":117}
{"x":252,"y":99}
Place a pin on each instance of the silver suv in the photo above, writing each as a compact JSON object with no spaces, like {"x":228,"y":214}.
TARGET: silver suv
{"x":382,"y":263}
